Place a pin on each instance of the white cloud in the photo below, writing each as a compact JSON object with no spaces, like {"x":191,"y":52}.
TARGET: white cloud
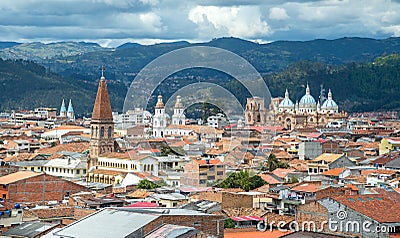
{"x":238,"y":21}
{"x":151,"y":21}
{"x":194,"y":20}
{"x":277,"y":13}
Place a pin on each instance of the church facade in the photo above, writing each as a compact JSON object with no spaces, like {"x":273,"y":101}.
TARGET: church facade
{"x":306,"y":113}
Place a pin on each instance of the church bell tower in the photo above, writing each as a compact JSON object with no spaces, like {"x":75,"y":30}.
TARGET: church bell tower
{"x":101,"y":125}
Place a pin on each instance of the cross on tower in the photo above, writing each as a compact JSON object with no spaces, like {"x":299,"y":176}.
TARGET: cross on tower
{"x":102,"y":70}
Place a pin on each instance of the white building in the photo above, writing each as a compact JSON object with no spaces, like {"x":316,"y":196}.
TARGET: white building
{"x":70,"y":111}
{"x":160,"y":119}
{"x":217,"y":121}
{"x":179,"y":117}
{"x":67,"y":167}
{"x":131,"y":118}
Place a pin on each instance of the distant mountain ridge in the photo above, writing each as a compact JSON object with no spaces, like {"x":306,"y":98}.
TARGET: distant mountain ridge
{"x":40,"y":52}
{"x":348,"y":66}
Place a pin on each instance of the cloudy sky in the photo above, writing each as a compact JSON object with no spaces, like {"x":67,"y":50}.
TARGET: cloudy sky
{"x":113,"y":22}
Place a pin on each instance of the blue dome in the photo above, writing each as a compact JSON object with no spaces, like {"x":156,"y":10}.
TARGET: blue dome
{"x":329,"y":104}
{"x":286,"y":102}
{"x":307,"y":99}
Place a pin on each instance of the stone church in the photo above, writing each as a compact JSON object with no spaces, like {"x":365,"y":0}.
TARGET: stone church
{"x":306,"y":113}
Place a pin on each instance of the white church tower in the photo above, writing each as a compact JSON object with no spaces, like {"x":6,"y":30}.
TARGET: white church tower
{"x":179,"y":117}
{"x":159,"y":119}
{"x":63,"y":109}
{"x":70,"y":111}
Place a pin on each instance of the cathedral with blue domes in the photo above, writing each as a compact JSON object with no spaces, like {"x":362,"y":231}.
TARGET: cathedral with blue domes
{"x":306,"y":113}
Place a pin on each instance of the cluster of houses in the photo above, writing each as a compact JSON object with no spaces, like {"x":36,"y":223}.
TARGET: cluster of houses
{"x":81,"y":178}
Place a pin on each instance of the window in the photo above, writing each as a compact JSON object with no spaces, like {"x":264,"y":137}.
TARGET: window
{"x":220,"y":173}
{"x":78,"y":171}
{"x":210,"y":177}
{"x":102,"y":132}
{"x":202,"y":181}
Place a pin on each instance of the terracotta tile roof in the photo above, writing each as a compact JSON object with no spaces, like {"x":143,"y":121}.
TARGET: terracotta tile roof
{"x":299,"y":165}
{"x":262,"y":189}
{"x":352,"y":187}
{"x":378,"y":171}
{"x":20,"y":175}
{"x":19,"y":157}
{"x":282,"y":155}
{"x":116,"y":155}
{"x":131,"y":155}
{"x":55,"y":156}
{"x":328,"y":157}
{"x":281,"y":173}
{"x":140,"y":193}
{"x":148,"y":176}
{"x":334,"y":172}
{"x":210,"y":161}
{"x":306,"y":187}
{"x":69,"y":127}
{"x":383,"y":160}
{"x":359,"y":179}
{"x":241,"y":211}
{"x":102,"y":107}
{"x":70,"y":147}
{"x":270,"y":179}
{"x":374,"y":206}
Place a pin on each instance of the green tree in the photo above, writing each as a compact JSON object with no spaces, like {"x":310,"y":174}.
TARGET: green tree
{"x":229,"y":223}
{"x":274,"y":163}
{"x":242,"y":180}
{"x":146,"y":184}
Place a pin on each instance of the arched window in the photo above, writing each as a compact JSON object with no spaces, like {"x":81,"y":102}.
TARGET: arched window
{"x":97,"y":131}
{"x":109,"y":132}
{"x":91,"y":131}
{"x":151,"y":168}
{"x":102,"y":132}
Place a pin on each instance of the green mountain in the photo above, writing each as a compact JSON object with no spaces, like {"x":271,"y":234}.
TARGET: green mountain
{"x":25,"y":85}
{"x":40,"y":52}
{"x":362,"y":73}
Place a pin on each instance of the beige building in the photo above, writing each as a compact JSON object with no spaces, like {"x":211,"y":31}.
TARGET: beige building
{"x":203,"y":172}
